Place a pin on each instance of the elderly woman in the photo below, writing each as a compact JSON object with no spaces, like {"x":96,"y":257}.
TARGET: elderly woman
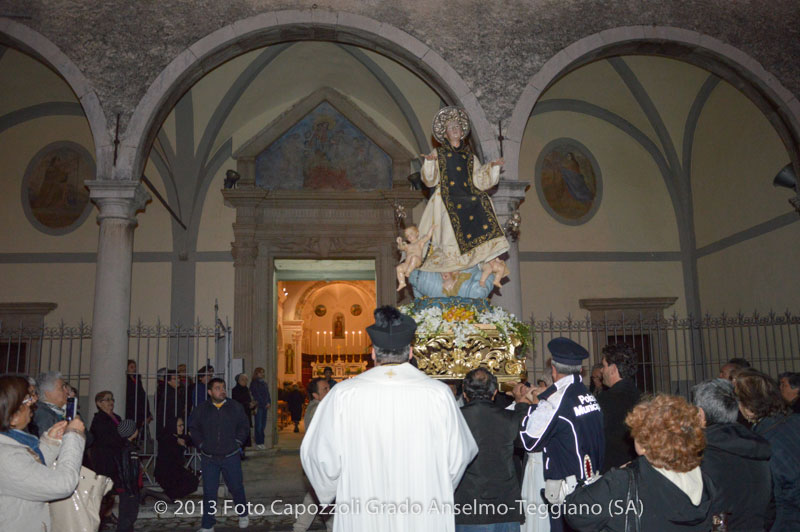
{"x":665,"y":484}
{"x":107,"y":446}
{"x":761,"y":404}
{"x":29,"y":480}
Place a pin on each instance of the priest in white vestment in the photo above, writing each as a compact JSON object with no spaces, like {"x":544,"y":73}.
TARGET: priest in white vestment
{"x":390,"y":445}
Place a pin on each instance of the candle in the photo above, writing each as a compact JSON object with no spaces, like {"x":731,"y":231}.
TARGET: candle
{"x":345,"y":341}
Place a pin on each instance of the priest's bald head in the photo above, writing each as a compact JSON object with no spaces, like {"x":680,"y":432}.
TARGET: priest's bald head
{"x":392,"y":335}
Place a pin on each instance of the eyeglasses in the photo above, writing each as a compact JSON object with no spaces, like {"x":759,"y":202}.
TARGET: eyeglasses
{"x":107,"y":399}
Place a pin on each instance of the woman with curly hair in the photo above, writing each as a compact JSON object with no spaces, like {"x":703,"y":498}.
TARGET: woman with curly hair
{"x":664,"y":488}
{"x":761,"y":404}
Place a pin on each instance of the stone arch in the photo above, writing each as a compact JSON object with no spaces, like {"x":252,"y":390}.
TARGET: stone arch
{"x":36,"y":45}
{"x":312,"y":290}
{"x":779,"y":105}
{"x":286,"y":26}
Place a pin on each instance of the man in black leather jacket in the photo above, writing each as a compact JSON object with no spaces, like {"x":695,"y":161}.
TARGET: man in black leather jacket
{"x":489,"y":488}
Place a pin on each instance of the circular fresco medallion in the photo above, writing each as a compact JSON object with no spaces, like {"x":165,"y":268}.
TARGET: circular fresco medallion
{"x":320,"y":310}
{"x":568,"y":181}
{"x":356,"y":310}
{"x":54,"y":196}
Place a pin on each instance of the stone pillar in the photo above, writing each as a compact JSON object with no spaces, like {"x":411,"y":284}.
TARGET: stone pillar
{"x":506,"y":199}
{"x":118,"y":202}
{"x":244,"y":262}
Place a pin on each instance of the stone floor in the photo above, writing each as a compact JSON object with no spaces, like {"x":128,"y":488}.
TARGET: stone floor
{"x":272,"y":478}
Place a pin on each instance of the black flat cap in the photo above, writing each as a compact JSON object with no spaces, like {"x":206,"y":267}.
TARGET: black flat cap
{"x":565,"y":351}
{"x":392,"y":329}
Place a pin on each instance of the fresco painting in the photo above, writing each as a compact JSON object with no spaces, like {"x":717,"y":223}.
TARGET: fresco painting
{"x":568,"y":181}
{"x":56,"y":194}
{"x":324,"y":150}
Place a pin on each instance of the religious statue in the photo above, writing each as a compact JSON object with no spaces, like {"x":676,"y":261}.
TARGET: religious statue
{"x":466,"y":231}
{"x":289,"y":359}
{"x":414,"y":247}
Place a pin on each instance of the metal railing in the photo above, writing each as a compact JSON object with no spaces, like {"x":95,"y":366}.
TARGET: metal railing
{"x":676,"y":353}
{"x":155,"y":350}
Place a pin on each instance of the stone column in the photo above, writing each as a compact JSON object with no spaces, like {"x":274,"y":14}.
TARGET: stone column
{"x":506,"y":200}
{"x":118,"y":202}
{"x":244,"y":262}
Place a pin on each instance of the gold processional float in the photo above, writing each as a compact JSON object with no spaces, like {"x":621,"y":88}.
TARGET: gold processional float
{"x":453,"y":262}
{"x":452,"y":342}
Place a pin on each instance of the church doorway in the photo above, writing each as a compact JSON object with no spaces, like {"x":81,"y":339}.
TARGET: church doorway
{"x":322,"y":308}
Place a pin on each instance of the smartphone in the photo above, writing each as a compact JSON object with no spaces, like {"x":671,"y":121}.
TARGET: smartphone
{"x":71,"y":408}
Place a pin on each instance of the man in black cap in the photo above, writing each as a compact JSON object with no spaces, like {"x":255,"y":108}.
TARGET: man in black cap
{"x":565,"y":423}
{"x":390,"y":445}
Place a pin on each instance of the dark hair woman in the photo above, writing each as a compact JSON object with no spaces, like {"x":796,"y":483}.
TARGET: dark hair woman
{"x":176,"y":481}
{"x":29,"y":480}
{"x":760,"y":402}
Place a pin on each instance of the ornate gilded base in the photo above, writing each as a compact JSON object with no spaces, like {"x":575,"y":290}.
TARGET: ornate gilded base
{"x":441,"y":359}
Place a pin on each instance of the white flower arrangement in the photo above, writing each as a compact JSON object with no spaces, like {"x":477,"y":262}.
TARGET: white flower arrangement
{"x":463,"y":321}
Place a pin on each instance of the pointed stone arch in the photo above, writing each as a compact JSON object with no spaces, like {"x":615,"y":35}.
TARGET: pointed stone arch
{"x":778,"y":104}
{"x":287,"y":26}
{"x":36,"y":45}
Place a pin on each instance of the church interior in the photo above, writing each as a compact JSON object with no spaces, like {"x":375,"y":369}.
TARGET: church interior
{"x":640,"y":151}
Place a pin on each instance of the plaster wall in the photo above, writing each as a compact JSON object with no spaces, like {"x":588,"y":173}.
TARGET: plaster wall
{"x":758,"y":274}
{"x":214,"y":281}
{"x":71,"y":286}
{"x":736,"y":155}
{"x":556,"y":287}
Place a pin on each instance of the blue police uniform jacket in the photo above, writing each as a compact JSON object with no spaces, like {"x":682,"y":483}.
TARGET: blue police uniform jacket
{"x":567,"y":427}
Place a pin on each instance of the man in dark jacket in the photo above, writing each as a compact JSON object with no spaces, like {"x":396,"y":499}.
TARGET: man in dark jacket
{"x":218,"y":428}
{"x":490,"y":479}
{"x":619,"y":398}
{"x":137,"y":407}
{"x":170,"y":403}
{"x":736,"y":459}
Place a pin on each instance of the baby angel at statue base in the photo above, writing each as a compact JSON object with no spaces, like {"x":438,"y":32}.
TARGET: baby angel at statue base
{"x":495,"y":266}
{"x":414,"y":247}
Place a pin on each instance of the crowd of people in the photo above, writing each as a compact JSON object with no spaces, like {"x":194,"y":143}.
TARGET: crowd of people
{"x":392,"y":449}
{"x":38,"y":430}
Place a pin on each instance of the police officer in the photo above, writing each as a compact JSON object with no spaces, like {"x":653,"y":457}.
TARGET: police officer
{"x":564,"y":422}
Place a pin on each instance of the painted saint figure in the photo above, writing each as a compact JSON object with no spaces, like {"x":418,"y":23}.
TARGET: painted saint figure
{"x":466,"y":231}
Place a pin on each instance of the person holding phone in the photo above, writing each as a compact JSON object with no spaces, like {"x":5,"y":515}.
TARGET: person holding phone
{"x":53,"y":393}
{"x":31,"y":475}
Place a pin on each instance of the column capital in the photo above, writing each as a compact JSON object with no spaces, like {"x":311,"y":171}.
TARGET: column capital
{"x":244,"y":253}
{"x":118,"y":199}
{"x":508,"y":196}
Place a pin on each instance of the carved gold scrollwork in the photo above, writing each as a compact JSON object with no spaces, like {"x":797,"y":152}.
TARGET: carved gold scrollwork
{"x":440,"y":358}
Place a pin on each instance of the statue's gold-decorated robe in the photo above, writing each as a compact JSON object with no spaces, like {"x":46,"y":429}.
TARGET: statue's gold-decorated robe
{"x":467,"y":230}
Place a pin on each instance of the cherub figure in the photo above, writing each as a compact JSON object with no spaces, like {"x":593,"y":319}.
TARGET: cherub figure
{"x":496,"y":267}
{"x":414,"y":247}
